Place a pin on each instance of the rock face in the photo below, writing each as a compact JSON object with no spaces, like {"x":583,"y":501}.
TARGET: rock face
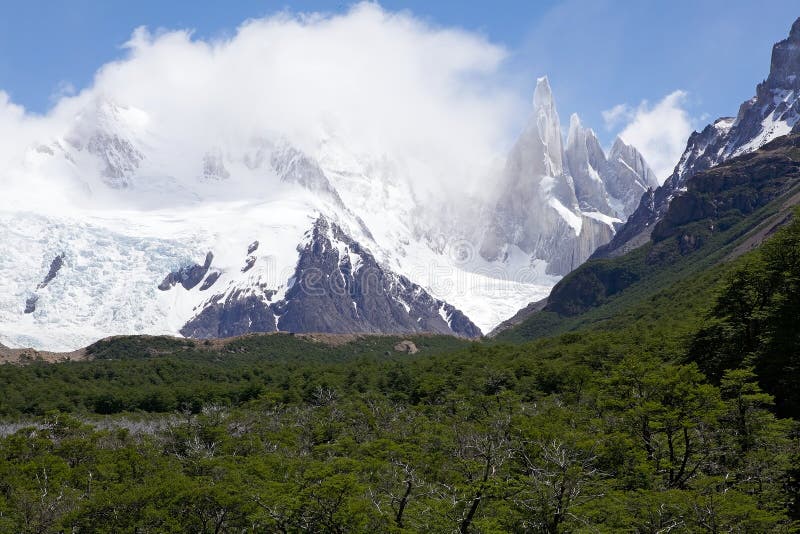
{"x":774,"y":111}
{"x":214,"y":167}
{"x":585,"y":162}
{"x":30,"y":303}
{"x":293,"y":166}
{"x":232,"y":315}
{"x":188,"y":276}
{"x":731,"y":190}
{"x":714,"y":201}
{"x":337,"y":287}
{"x":209,"y":281}
{"x":610,"y":185}
{"x":33,"y":299}
{"x":629,"y":177}
{"x":559,"y":204}
{"x":55,"y":266}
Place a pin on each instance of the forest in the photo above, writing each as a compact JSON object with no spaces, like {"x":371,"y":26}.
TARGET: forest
{"x":686,"y":425}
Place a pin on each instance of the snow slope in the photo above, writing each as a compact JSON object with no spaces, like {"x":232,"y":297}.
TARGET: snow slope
{"x":107,"y":196}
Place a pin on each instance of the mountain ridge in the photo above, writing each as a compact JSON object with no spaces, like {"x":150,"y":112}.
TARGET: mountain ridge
{"x":774,"y":111}
{"x":725,"y":212}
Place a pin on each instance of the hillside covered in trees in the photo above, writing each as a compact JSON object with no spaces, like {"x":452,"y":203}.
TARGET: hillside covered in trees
{"x":655,"y":392}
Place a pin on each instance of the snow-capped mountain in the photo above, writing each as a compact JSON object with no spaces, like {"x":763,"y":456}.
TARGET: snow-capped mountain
{"x":118,"y":224}
{"x":612,"y":184}
{"x":337,"y":286}
{"x":104,"y":231}
{"x":773,"y":111}
{"x":559,"y":204}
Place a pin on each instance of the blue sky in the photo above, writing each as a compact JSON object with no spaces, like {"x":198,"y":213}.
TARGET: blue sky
{"x":597,"y":53}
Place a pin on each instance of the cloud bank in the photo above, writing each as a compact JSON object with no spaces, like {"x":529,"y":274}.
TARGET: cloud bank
{"x":387,"y":83}
{"x":430,"y":99}
{"x":659,"y":131}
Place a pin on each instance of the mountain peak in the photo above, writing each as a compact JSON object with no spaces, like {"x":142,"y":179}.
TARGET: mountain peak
{"x":630,"y":157}
{"x":575,"y":129}
{"x":794,"y":33}
{"x":543,"y":95}
{"x":619,"y":147}
{"x":785,"y":63}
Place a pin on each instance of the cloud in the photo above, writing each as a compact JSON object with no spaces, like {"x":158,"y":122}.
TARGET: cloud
{"x":387,"y":83}
{"x":614,"y":116}
{"x":62,"y":89}
{"x":659,"y":131}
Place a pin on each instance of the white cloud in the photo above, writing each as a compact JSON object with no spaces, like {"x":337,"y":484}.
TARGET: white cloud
{"x":61,"y":90}
{"x":659,"y":132}
{"x":614,"y":116}
{"x":387,"y":82}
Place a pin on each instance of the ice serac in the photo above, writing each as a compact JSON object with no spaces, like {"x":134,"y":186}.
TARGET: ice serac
{"x":553,"y":204}
{"x":773,"y":112}
{"x":337,"y":287}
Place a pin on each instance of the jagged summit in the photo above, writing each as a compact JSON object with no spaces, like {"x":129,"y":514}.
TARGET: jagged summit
{"x":557,"y":203}
{"x":543,"y":94}
{"x":785,"y":61}
{"x":337,"y":287}
{"x":773,"y":112}
{"x":634,"y":161}
{"x":587,"y":165}
{"x":548,"y":127}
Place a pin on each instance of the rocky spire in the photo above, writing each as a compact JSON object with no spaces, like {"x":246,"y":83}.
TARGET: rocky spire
{"x":587,"y":165}
{"x":785,"y":63}
{"x":548,"y":127}
{"x":631,"y":157}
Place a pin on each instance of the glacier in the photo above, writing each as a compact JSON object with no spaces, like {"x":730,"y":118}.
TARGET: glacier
{"x":126,"y":202}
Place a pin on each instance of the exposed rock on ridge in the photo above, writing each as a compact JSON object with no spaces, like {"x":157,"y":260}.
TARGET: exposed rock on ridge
{"x":337,"y":287}
{"x":774,"y":111}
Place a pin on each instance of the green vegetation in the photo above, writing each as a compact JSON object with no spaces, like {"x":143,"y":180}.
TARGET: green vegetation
{"x":656,"y":394}
{"x":756,"y":320}
{"x":671,"y":281}
{"x":577,"y":432}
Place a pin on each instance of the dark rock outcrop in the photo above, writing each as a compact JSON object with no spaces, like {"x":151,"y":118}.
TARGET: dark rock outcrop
{"x":188,"y":276}
{"x":734,"y":189}
{"x":248,"y":263}
{"x":333,"y":295}
{"x":337,"y":287}
{"x":30,"y":303}
{"x":239,"y":313}
{"x":55,"y":266}
{"x":210,"y":280}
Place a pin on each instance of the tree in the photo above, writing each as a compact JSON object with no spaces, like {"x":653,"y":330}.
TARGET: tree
{"x":671,"y":411}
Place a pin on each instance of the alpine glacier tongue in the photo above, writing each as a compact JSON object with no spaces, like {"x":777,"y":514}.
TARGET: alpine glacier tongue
{"x":773,"y":111}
